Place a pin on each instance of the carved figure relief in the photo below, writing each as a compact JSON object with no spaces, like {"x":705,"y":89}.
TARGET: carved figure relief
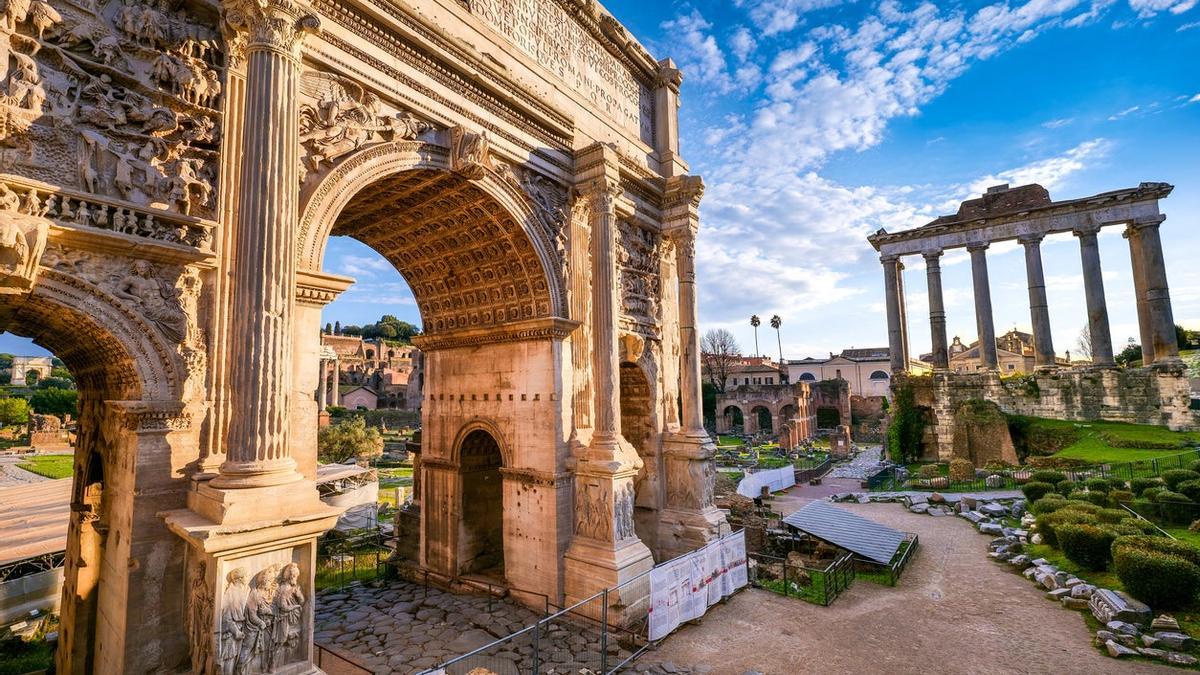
{"x":233,"y":621}
{"x":200,"y":621}
{"x":638,"y":253}
{"x":22,"y":242}
{"x":157,"y":299}
{"x":117,"y":99}
{"x":593,"y":513}
{"x":551,"y":201}
{"x":343,"y":118}
{"x":624,"y":512}
{"x":469,"y":153}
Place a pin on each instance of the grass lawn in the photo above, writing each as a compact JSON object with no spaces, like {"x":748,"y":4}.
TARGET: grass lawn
{"x":1099,"y":442}
{"x":360,"y":566}
{"x":50,"y":466}
{"x":725,"y":441}
{"x":18,"y":656}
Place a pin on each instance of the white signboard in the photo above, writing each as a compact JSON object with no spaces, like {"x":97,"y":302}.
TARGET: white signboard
{"x":683,"y":589}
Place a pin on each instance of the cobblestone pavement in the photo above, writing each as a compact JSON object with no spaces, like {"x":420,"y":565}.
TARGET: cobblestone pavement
{"x":867,"y":458}
{"x":400,"y":627}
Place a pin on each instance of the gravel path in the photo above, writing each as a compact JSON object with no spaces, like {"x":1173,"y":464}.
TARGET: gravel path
{"x":858,"y":466}
{"x":12,"y":475}
{"x":954,"y":611}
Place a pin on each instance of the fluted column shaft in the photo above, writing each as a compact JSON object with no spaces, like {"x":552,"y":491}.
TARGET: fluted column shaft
{"x":1093,"y":287}
{"x":983,"y":307}
{"x":335,"y":394}
{"x":937,"y":310}
{"x":605,"y":354}
{"x":689,"y":336}
{"x":1158,"y":295}
{"x":1039,"y":307}
{"x":891,"y":292}
{"x":1145,"y":331}
{"x":264,"y":250}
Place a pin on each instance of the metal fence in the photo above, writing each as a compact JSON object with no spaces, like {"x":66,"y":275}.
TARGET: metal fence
{"x":890,"y":573}
{"x":334,"y":661}
{"x":898,"y":478}
{"x":600,"y":634}
{"x":818,"y":585}
{"x":1170,"y":515}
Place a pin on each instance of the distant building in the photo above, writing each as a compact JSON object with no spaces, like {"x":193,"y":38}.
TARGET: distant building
{"x":23,"y":365}
{"x":1015,"y":354}
{"x":867,"y":370}
{"x":369,"y":373}
{"x":754,"y":370}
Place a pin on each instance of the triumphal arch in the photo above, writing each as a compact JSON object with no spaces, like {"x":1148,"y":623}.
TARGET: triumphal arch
{"x":170,"y":173}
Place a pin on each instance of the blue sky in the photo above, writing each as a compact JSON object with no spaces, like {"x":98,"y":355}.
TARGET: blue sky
{"x":815,"y":122}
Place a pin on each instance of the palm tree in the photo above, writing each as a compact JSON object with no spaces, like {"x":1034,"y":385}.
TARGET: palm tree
{"x":776,"y":322}
{"x":755,"y":322}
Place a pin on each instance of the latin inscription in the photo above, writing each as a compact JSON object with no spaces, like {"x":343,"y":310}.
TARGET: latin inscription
{"x":545,"y":32}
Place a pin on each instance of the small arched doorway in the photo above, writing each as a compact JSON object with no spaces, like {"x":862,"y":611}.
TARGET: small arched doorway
{"x":762,"y":418}
{"x":735,"y":422}
{"x":636,"y":428}
{"x":481,"y":532}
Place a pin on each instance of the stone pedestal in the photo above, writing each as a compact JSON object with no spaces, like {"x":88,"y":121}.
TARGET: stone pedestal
{"x":250,"y":590}
{"x":690,"y":520}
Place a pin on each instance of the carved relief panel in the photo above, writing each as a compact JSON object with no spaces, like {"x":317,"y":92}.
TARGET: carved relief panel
{"x":115,"y":98}
{"x":263,"y":616}
{"x":638,"y":252}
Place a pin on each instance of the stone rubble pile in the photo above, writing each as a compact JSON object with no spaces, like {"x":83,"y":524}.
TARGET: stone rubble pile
{"x":1123,"y":616}
{"x":985,"y":511}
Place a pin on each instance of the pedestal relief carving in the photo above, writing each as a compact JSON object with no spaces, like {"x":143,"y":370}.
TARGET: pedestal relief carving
{"x":263,"y":621}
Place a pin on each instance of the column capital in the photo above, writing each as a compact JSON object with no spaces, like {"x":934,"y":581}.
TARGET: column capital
{"x":1031,"y":238}
{"x":1143,"y":223}
{"x":601,"y":193}
{"x":1086,"y":230}
{"x":978,"y":246}
{"x":889,"y":259}
{"x":275,"y":25}
{"x":932,"y":257}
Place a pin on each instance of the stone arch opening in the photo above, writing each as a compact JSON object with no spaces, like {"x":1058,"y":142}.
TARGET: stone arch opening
{"x":808,"y":377}
{"x":763,"y":421}
{"x":787,"y":412}
{"x":733,"y":419}
{"x":125,"y":372}
{"x":481,"y":532}
{"x":636,"y":427}
{"x":828,"y":418}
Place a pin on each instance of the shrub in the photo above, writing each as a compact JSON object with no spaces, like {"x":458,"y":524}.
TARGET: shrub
{"x":1112,"y":516}
{"x":1116,"y":483}
{"x":1099,"y":498}
{"x":1121,"y":496}
{"x":1173,"y":547}
{"x":1049,"y":523}
{"x":1078,"y":496}
{"x":1162,"y":580}
{"x":1175,"y":508}
{"x":1035,"y":490}
{"x":1140,"y":485}
{"x":1176,"y":476}
{"x":1052,"y":477}
{"x":1098,"y":485}
{"x":962,"y":469}
{"x":929,"y":471}
{"x":1065,"y":487}
{"x":1195,"y":526}
{"x":1135,"y":526}
{"x":1150,"y":494}
{"x":1190,"y":489}
{"x":1047,"y":504}
{"x":1089,"y":546}
{"x":1195,"y":466}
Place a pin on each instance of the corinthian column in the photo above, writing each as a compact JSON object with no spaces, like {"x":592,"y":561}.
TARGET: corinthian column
{"x":1158,"y":296}
{"x":264,"y":249}
{"x":983,"y":307}
{"x":891,"y":290}
{"x":1039,"y":308}
{"x":937,"y":310}
{"x":1145,"y":331}
{"x":605,"y":550}
{"x":1093,"y":286}
{"x":690,"y":519}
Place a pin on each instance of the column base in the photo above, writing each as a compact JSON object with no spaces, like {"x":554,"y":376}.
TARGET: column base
{"x":681,"y":531}
{"x":252,"y":507}
{"x":590,"y":566}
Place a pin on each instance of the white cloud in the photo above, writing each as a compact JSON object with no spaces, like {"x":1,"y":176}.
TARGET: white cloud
{"x":701,"y":57}
{"x":1059,"y":123}
{"x":780,"y":16}
{"x":1050,"y":173}
{"x":1124,"y":113}
{"x":1194,"y":99}
{"x":742,"y":43}
{"x":1188,"y":26}
{"x":1148,"y":8}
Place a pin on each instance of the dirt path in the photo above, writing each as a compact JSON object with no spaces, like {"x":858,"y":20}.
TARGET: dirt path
{"x":954,"y":611}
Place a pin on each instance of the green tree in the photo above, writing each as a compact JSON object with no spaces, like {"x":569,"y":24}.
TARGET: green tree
{"x":32,"y":377}
{"x":352,"y":439}
{"x":1132,"y":352}
{"x":55,"y":401}
{"x":1186,"y":338}
{"x":61,"y":372}
{"x":56,"y":383}
{"x":6,"y":360}
{"x":13,"y":411}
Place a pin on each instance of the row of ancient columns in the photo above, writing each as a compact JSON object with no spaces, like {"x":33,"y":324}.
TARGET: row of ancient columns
{"x":1155,"y":321}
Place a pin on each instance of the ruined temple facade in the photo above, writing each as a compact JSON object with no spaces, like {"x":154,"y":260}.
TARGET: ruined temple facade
{"x":1157,"y":393}
{"x":170,"y":173}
